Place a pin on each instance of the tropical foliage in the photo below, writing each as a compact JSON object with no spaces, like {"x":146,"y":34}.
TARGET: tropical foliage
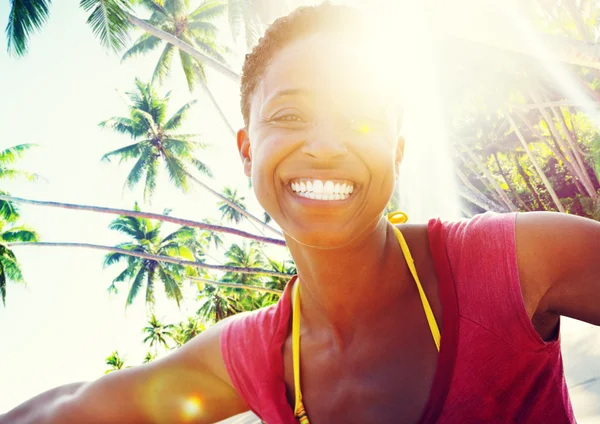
{"x":147,"y":123}
{"x":115,"y":362}
{"x":144,"y":235}
{"x":194,"y":27}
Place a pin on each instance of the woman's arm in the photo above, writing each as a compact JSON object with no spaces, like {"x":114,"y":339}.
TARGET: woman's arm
{"x":190,"y":385}
{"x":559,"y":265}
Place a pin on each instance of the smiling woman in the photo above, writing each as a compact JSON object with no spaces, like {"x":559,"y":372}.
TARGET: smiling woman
{"x":385,"y":322}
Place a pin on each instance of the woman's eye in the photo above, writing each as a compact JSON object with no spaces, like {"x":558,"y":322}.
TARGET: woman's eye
{"x":288,"y":118}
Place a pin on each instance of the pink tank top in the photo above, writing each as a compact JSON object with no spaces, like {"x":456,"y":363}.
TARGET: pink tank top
{"x":493,"y":367}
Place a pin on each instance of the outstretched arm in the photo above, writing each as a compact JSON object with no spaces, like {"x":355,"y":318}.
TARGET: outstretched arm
{"x":190,"y":385}
{"x":559,"y":265}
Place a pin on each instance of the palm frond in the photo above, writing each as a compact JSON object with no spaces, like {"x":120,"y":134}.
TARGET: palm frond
{"x":152,"y":167}
{"x":209,"y":10}
{"x":172,"y":285}
{"x":20,"y":233}
{"x":175,"y":121}
{"x":108,"y":20}
{"x":25,"y":17}
{"x":136,"y":285}
{"x":201,"y":167}
{"x":203,"y":28}
{"x":144,"y":44}
{"x":190,"y":69}
{"x":125,"y":153}
{"x":12,"y":154}
{"x":136,"y":173}
{"x":177,"y":172}
{"x":11,"y":174}
{"x":11,"y":268}
{"x":163,"y":66}
{"x":122,"y":125}
{"x":154,"y":6}
{"x":9,"y":211}
{"x":2,"y":285}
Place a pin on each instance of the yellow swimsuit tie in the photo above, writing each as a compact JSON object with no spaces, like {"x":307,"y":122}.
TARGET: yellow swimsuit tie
{"x":394,"y":218}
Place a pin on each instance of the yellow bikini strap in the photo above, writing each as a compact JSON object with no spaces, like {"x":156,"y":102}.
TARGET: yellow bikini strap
{"x":298,"y":407}
{"x":401,"y":218}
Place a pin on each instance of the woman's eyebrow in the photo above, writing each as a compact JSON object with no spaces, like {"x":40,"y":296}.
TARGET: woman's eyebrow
{"x":290,"y":92}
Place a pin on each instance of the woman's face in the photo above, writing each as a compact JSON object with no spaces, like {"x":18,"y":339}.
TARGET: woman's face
{"x":322,"y":146}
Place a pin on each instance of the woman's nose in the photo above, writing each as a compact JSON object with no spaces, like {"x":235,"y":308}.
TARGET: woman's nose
{"x":325,"y":142}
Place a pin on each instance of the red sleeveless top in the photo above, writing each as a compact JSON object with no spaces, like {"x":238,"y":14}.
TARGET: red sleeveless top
{"x":493,"y":367}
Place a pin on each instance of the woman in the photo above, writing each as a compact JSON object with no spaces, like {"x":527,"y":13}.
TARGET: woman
{"x":356,"y":336}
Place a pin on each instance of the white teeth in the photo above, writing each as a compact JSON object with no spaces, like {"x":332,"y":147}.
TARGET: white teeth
{"x":322,"y":189}
{"x":318,"y":186}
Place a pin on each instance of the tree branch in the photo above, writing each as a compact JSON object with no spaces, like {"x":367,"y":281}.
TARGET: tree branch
{"x":149,"y":215}
{"x":155,"y":257}
{"x":236,"y":286}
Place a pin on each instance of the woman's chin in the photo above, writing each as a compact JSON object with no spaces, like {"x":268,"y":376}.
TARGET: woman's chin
{"x":327,"y":237}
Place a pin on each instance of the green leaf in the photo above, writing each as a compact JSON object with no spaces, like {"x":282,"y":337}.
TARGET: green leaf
{"x":108,"y":20}
{"x":25,"y":17}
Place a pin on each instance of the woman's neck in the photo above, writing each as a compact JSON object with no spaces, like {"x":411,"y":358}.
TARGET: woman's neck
{"x":343,"y":289}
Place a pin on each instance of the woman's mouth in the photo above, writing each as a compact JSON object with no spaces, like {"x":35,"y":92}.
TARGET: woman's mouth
{"x":330,"y":190}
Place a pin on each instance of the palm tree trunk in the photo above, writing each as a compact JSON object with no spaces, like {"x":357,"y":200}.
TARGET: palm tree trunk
{"x":472,"y":194}
{"x":149,"y":215}
{"x":530,"y":187}
{"x":216,"y":105}
{"x":587,"y":181}
{"x":233,"y":205}
{"x":490,"y":178}
{"x":509,"y":184}
{"x":480,"y":200}
{"x":579,"y":173}
{"x":555,"y":149}
{"x":160,"y":258}
{"x":481,"y":178}
{"x":183,"y":46}
{"x":237,"y":286}
{"x":538,"y":168}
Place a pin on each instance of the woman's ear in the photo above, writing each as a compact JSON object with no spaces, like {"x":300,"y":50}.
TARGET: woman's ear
{"x":243,"y":144}
{"x":399,"y":154}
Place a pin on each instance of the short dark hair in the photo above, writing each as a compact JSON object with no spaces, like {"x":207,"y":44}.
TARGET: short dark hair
{"x":325,"y":18}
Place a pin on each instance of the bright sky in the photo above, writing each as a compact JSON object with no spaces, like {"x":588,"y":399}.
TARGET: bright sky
{"x":62,"y":326}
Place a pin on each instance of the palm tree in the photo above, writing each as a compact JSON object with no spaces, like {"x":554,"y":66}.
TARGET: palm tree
{"x":216,"y":304}
{"x":8,"y":157}
{"x":10,"y":269}
{"x":227,"y":212}
{"x":195,"y":28}
{"x":145,"y":236}
{"x":247,"y":255}
{"x":158,"y":333}
{"x":115,"y":362}
{"x":187,"y":330}
{"x":149,"y":357}
{"x":148,"y":124}
{"x":110,"y":21}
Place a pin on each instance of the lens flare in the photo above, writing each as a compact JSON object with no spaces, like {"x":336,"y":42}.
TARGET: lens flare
{"x":191,"y":408}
